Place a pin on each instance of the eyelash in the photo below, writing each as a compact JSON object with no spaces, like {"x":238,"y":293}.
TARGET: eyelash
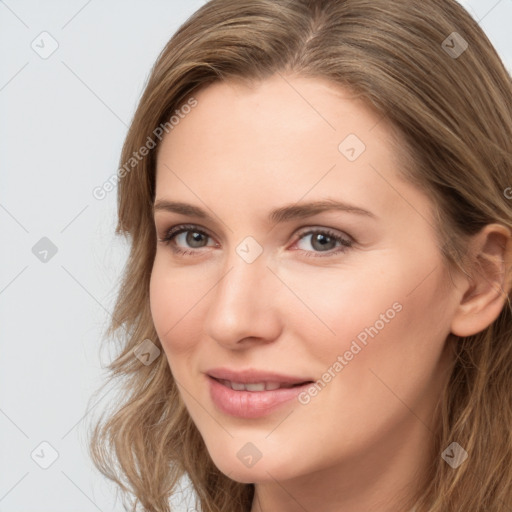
{"x":183,"y":228}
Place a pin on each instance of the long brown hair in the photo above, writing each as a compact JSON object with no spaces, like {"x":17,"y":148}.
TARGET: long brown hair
{"x":449,"y":97}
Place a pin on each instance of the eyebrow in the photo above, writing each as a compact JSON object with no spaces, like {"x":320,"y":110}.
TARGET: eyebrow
{"x":282,"y":214}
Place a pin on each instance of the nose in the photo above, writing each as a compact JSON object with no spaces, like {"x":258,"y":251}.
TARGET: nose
{"x":244,"y":305}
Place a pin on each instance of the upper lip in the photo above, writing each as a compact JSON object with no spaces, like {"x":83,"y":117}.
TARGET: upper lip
{"x":251,"y":376}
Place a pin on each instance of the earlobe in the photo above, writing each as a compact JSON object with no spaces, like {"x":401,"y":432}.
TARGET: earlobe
{"x":488,"y":283}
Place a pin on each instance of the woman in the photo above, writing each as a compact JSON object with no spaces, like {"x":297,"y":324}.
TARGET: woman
{"x":316,"y":304}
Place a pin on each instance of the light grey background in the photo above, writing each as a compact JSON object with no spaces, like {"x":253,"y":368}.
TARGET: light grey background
{"x":62,"y":123}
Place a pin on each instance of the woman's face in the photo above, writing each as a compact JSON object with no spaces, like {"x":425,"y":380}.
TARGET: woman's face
{"x":353,"y":299}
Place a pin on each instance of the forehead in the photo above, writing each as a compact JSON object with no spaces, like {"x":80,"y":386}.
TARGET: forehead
{"x":291,"y":106}
{"x":284,"y":137}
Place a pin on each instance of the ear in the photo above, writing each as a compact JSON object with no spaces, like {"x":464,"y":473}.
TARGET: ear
{"x":487,"y":286}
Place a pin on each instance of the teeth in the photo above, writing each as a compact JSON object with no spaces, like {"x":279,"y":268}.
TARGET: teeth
{"x":254,"y":386}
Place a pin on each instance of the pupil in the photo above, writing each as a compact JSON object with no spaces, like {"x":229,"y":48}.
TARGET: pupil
{"x":322,"y":240}
{"x":193,"y":238}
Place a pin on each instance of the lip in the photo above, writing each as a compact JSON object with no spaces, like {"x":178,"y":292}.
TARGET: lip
{"x":251,"y":404}
{"x":251,"y":376}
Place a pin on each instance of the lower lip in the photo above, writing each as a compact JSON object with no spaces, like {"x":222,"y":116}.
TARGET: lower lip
{"x":251,"y":404}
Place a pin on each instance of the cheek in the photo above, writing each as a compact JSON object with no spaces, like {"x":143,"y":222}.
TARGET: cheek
{"x":396,"y":358}
{"x":172,"y":300}
{"x":372,"y":317}
{"x":338,"y":305}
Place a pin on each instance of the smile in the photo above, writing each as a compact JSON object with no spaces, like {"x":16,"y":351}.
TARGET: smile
{"x":256,"y":386}
{"x":252,"y":400}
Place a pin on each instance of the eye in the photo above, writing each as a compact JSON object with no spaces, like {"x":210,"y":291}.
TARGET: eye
{"x":187,"y":235}
{"x":323,"y":240}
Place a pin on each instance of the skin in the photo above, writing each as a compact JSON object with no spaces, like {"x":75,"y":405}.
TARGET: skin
{"x":364,"y":440}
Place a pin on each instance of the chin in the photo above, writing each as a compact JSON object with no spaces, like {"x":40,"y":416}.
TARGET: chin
{"x":266,"y":469}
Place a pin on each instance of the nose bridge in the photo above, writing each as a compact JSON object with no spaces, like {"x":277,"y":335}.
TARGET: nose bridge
{"x":241,"y":303}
